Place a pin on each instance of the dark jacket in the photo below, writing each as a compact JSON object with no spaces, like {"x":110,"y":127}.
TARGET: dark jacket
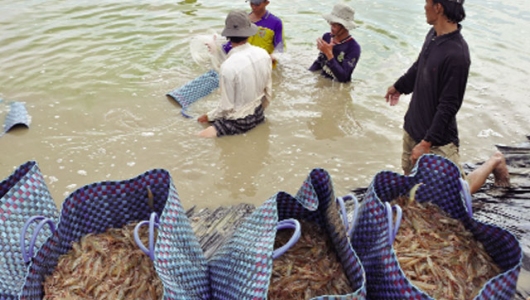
{"x":341,"y":66}
{"x":438,"y":82}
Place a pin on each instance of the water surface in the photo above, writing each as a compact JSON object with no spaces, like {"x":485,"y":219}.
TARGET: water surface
{"x":93,"y":75}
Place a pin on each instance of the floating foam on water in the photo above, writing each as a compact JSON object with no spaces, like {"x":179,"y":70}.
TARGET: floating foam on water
{"x":488,"y":132}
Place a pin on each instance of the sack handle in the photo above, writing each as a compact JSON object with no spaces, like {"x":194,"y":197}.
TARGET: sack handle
{"x":464,"y":186}
{"x":153,"y":222}
{"x":26,"y":256}
{"x":349,"y":226}
{"x":393,"y":228}
{"x":288,"y":224}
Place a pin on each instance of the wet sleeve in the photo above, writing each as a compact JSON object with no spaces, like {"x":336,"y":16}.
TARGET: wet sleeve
{"x":344,"y":70}
{"x":317,"y":65}
{"x":227,"y":47}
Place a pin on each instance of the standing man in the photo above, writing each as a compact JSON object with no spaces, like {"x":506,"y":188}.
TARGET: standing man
{"x":339,"y":52}
{"x":437,"y":81}
{"x":270,"y":28}
{"x":245,"y":82}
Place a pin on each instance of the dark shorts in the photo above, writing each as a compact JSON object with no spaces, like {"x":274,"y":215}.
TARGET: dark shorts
{"x":239,"y":126}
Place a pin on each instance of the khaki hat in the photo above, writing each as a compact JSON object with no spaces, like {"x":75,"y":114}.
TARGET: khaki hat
{"x":237,"y":24}
{"x":342,"y":14}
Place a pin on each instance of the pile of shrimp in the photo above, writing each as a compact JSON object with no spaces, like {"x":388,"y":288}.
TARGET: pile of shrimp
{"x":438,"y":254}
{"x":108,"y":265}
{"x":308,"y":269}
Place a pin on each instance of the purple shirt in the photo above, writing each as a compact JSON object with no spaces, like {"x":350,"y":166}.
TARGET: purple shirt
{"x":345,"y":58}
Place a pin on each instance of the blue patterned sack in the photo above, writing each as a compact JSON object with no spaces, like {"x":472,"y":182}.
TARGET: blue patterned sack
{"x":242,"y":267}
{"x":17,"y":115}
{"x":93,"y":209}
{"x":442,"y":186}
{"x":22,"y":195}
{"x":194,"y":90}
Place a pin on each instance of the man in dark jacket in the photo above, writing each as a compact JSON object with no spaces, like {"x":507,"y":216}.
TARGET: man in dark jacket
{"x":437,"y":81}
{"x":339,"y":52}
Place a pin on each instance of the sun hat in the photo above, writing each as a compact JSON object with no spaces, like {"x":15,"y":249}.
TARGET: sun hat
{"x":256,"y":2}
{"x":342,"y":14}
{"x":237,"y":24}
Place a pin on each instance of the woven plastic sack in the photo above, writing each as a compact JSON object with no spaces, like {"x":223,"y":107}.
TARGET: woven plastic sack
{"x":194,"y":90}
{"x":23,"y":194}
{"x":17,"y":115}
{"x":93,"y":209}
{"x":442,"y":186}
{"x":242,"y":266}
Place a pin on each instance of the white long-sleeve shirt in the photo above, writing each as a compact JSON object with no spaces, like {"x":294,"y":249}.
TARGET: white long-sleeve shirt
{"x":245,"y":83}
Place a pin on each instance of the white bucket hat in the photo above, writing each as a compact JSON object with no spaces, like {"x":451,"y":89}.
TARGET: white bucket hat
{"x":342,"y":14}
{"x":237,"y":24}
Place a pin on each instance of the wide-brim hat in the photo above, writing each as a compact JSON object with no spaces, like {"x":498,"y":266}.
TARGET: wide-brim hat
{"x":342,"y":14}
{"x":237,"y":24}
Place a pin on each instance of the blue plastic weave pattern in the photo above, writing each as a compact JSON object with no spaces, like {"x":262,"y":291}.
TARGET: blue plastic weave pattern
{"x":440,"y":178}
{"x":23,"y":194}
{"x":18,"y":115}
{"x":93,"y":209}
{"x":195,"y":89}
{"x":242,"y":267}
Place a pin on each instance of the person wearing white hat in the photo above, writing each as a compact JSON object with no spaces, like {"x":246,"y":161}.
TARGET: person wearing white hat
{"x":339,"y":51}
{"x":245,"y":82}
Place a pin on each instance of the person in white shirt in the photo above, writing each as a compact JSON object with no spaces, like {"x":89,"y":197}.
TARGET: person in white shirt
{"x":245,"y":82}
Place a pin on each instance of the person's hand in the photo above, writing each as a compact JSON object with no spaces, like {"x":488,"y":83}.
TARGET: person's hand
{"x":325,"y":48}
{"x":274,"y":60}
{"x":392,"y":96}
{"x":422,"y":148}
{"x":203,"y":119}
{"x":211,"y":44}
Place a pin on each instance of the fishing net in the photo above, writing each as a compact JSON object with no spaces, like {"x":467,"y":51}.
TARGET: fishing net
{"x":441,"y":185}
{"x":22,"y":195}
{"x":206,"y":51}
{"x":241,"y":268}
{"x":93,"y":209}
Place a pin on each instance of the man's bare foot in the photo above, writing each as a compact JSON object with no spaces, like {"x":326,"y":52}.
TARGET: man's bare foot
{"x":500,"y":172}
{"x":209,"y":132}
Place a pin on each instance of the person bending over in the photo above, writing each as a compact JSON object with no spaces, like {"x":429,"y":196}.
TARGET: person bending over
{"x":245,"y":82}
